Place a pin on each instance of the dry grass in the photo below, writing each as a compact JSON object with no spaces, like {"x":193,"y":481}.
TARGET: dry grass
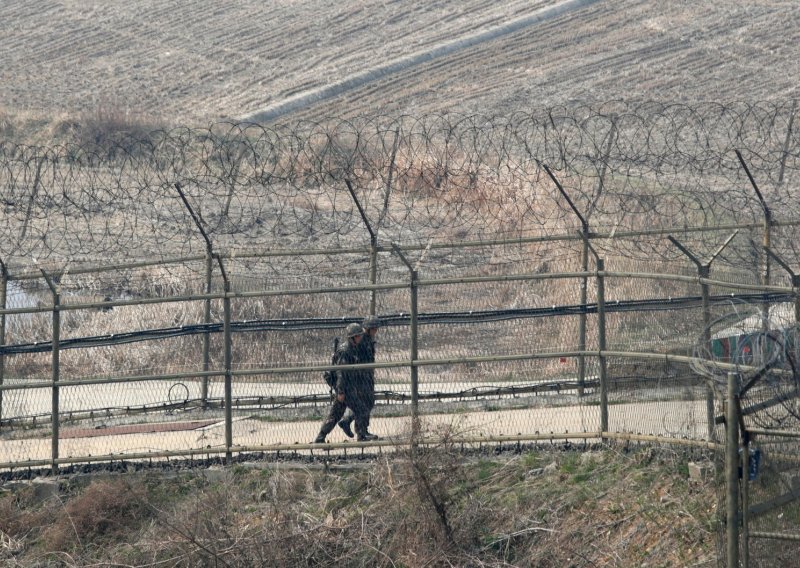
{"x":104,"y":126}
{"x":257,"y":350}
{"x":431,"y":507}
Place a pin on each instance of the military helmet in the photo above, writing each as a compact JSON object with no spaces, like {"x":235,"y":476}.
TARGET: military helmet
{"x":353,"y":329}
{"x":371,"y":322}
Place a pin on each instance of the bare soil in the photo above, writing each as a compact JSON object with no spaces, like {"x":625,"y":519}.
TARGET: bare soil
{"x":205,"y":61}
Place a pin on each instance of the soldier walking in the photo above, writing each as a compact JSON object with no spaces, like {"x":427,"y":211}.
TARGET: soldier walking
{"x":366,"y":349}
{"x":351,"y":387}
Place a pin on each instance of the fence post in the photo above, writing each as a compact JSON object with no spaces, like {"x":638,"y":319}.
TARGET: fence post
{"x":206,"y":336}
{"x":3,"y":293}
{"x":796,"y":291}
{"x":226,"y":308}
{"x":787,"y":143}
{"x":381,"y":217}
{"x":414,"y":353}
{"x":56,"y":353}
{"x":582,"y":317}
{"x":766,"y":239}
{"x":765,"y":274}
{"x":209,"y":256}
{"x":373,"y":273}
{"x":585,"y":235}
{"x":373,"y":246}
{"x":226,"y":302}
{"x":795,"y":279}
{"x":703,"y":272}
{"x":413,"y":288}
{"x":601,"y":343}
{"x":744,"y":467}
{"x":732,"y":470}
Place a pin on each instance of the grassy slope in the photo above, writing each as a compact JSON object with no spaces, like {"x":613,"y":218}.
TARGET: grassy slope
{"x":548,"y":507}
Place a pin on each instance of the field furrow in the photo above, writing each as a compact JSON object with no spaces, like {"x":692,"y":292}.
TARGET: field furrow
{"x":232,"y":59}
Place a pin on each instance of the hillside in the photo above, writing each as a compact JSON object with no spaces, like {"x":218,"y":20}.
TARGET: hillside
{"x":162,"y":60}
{"x":547,"y":507}
{"x":168,"y":63}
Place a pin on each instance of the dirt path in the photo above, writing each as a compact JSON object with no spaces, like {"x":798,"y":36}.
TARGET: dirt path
{"x":681,"y":419}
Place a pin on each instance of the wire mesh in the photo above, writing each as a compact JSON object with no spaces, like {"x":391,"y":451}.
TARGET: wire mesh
{"x":477,"y":240}
{"x":499,"y":348}
{"x":769,"y":499}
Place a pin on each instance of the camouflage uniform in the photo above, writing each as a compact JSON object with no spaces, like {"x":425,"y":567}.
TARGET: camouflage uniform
{"x":367,"y":348}
{"x":367,"y":355}
{"x":353,"y":384}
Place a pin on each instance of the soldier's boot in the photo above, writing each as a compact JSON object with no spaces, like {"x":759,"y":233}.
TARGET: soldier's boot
{"x":369,"y":434}
{"x":344,"y":424}
{"x":320,"y":439}
{"x":364,"y":436}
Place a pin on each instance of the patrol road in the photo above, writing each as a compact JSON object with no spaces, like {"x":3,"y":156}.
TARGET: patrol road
{"x":679,"y":419}
{"x":100,"y":397}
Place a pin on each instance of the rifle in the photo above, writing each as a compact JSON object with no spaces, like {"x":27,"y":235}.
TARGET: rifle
{"x":330,"y":376}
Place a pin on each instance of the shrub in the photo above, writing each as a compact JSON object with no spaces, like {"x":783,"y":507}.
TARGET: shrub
{"x":106,"y":511}
{"x":111,"y":128}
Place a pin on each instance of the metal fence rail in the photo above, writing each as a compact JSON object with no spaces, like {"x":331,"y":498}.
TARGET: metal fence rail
{"x":575,"y":273}
{"x":502,"y":372}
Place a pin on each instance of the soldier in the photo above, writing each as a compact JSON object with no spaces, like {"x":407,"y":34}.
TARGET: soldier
{"x":350,"y":388}
{"x":366,"y":355}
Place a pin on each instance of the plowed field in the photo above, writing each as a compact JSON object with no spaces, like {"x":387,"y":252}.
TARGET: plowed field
{"x":204,"y":61}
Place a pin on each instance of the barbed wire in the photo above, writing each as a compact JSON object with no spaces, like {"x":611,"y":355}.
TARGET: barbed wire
{"x":761,"y":345}
{"x":634,"y":172}
{"x":624,"y":167}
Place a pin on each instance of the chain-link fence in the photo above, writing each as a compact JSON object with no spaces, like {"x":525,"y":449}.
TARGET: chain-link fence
{"x":512,"y":352}
{"x":579,"y":273}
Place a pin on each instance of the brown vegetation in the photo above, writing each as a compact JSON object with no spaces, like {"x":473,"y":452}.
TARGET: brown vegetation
{"x":432,"y":507}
